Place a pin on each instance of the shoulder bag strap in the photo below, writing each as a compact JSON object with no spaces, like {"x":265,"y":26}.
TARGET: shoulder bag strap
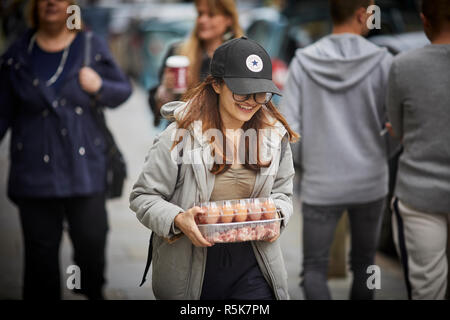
{"x":97,"y":112}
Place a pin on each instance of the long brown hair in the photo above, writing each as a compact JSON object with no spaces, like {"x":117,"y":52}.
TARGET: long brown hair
{"x":193,"y":47}
{"x":203,"y":104}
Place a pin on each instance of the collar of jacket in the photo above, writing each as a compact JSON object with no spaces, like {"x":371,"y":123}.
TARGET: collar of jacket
{"x":20,"y":53}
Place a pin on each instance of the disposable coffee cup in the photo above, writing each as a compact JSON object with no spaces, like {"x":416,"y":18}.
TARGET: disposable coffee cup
{"x":178,"y":65}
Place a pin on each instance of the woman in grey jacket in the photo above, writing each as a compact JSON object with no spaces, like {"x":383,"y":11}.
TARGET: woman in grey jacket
{"x":188,"y":164}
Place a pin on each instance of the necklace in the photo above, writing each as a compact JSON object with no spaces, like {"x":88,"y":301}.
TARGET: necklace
{"x":62,"y":63}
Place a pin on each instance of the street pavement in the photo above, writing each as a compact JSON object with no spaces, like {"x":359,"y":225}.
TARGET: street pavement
{"x":127,"y":245}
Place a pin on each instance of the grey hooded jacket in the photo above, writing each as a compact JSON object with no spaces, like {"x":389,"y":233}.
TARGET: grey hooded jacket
{"x":334,"y":97}
{"x":157,"y":197}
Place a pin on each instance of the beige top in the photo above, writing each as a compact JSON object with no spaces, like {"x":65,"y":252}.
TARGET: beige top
{"x":235,"y":183}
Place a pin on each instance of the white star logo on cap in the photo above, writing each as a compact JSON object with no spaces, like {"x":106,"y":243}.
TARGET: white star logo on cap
{"x":254,"y":63}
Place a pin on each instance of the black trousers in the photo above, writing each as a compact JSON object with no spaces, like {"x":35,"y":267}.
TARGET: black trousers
{"x":232,"y":273}
{"x":42,"y":226}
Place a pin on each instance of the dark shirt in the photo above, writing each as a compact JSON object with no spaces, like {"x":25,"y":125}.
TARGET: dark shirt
{"x":45,"y":64}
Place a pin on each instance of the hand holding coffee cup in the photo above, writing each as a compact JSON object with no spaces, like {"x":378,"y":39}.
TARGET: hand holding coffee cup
{"x":177,"y":73}
{"x":165,"y":92}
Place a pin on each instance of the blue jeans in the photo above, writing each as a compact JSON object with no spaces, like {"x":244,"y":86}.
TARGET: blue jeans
{"x":319,"y":225}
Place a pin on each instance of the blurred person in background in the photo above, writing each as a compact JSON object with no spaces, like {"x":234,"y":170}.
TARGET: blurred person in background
{"x":334,"y":97}
{"x":419,"y":111}
{"x":217,"y":22}
{"x":57,"y":150}
{"x":235,"y":96}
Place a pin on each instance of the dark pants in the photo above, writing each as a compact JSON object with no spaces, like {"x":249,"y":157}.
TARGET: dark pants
{"x":232,"y":273}
{"x":42,"y":227}
{"x":319,"y":225}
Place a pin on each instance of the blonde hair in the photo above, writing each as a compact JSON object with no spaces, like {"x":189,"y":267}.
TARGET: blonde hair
{"x":32,"y":13}
{"x":192,"y":48}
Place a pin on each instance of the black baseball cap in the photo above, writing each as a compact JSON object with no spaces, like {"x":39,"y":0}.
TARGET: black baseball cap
{"x":245,"y":67}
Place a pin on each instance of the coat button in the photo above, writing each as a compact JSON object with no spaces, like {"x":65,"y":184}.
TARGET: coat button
{"x":36,"y":82}
{"x":63,"y":132}
{"x":81,"y":151}
{"x":63,"y":102}
{"x":97,"y":141}
{"x":55,"y":104}
{"x":17,"y":66}
{"x":19,"y":146}
{"x":98,"y":56}
{"x":79,"y":110}
{"x":10,"y":61}
{"x":45,"y":113}
{"x":46,"y":158}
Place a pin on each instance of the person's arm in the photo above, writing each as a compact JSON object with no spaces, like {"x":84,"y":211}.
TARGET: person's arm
{"x":282,"y":189}
{"x":161,"y":94}
{"x":291,"y":107}
{"x":154,"y":187}
{"x":115,"y":86}
{"x":6,"y":98}
{"x":394,"y":103}
{"x":150,"y":194}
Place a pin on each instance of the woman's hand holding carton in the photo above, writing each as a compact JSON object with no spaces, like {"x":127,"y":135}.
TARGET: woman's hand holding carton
{"x":185,"y":221}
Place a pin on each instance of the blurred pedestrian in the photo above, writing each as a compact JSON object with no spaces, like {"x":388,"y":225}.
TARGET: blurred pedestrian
{"x":419,"y":111}
{"x":58,"y":168}
{"x":236,"y":96}
{"x":334,"y":97}
{"x":217,"y":21}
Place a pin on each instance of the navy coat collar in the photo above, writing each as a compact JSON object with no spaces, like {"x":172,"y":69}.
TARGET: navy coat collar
{"x":22,"y":55}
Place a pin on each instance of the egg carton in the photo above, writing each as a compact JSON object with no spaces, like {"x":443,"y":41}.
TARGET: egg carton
{"x":236,"y":211}
{"x":241,"y":231}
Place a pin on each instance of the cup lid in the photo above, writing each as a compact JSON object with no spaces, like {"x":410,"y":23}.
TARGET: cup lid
{"x":177,"y":61}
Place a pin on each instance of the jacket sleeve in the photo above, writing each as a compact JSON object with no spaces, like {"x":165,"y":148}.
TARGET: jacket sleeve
{"x":6,"y":98}
{"x":282,"y":190}
{"x":394,"y":102}
{"x":291,"y":107}
{"x":155,"y":186}
{"x":116,"y":87}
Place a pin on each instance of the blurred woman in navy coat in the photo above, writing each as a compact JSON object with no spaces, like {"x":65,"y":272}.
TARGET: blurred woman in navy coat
{"x":57,"y":151}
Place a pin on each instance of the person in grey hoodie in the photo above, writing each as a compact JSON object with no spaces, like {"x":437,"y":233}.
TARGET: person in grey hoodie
{"x":334,"y":97}
{"x":419,"y":111}
{"x":231,"y":102}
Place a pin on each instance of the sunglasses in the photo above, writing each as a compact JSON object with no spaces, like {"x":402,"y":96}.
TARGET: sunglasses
{"x":260,"y":97}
